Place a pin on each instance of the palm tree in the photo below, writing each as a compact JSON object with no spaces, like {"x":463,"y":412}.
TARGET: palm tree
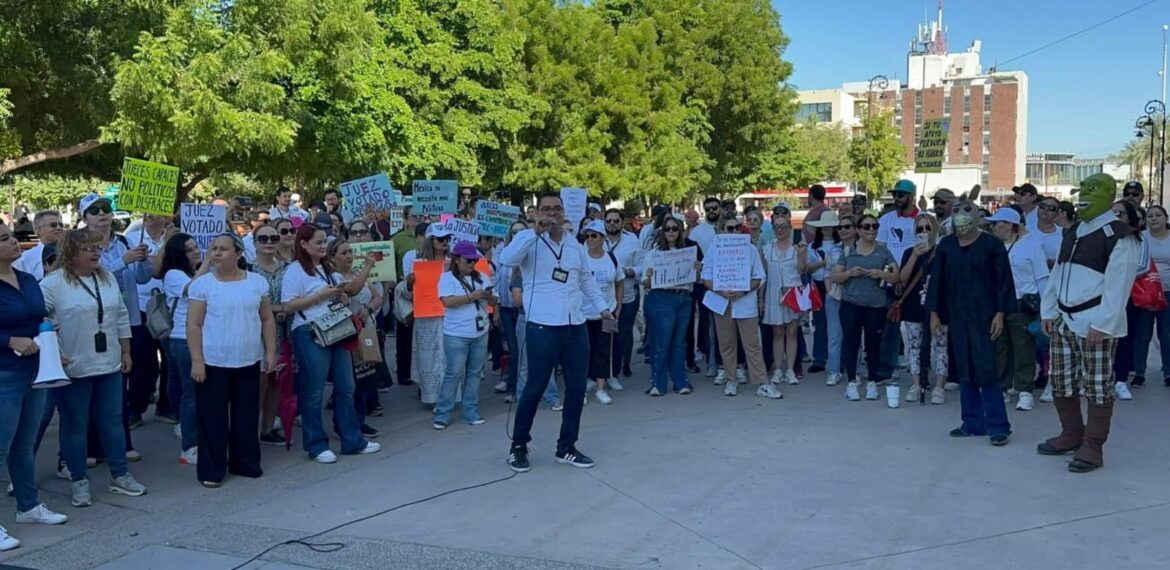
{"x":1136,"y":153}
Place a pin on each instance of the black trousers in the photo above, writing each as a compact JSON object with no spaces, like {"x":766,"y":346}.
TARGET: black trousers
{"x":403,"y":343}
{"x":228,"y":406}
{"x":149,"y":367}
{"x":600,"y":344}
{"x":858,"y":321}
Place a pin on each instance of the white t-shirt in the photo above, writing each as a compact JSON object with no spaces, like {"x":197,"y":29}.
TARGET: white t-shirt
{"x":461,"y":321}
{"x":173,"y":283}
{"x":231,"y":326}
{"x":1050,"y":241}
{"x":408,"y":262}
{"x":1159,"y":252}
{"x":607,"y":276}
{"x":897,"y":233}
{"x":152,"y":246}
{"x":297,"y":284}
{"x":1029,"y":266}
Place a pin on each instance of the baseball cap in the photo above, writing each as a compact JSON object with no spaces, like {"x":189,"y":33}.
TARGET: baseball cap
{"x":944,"y":194}
{"x":596,"y":226}
{"x":594,"y":206}
{"x":91,"y":199}
{"x":323,"y":222}
{"x":1026,"y":188}
{"x":904,"y":185}
{"x":466,"y":250}
{"x":439,"y":230}
{"x":1008,"y":215}
{"x":1133,"y":185}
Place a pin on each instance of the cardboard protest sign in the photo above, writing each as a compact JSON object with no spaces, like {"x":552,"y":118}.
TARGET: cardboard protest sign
{"x":372,"y":194}
{"x":434,"y":197}
{"x":576,"y":200}
{"x":384,"y":266}
{"x":203,"y":222}
{"x":400,"y":202}
{"x":673,"y":267}
{"x":932,"y":146}
{"x":148,"y":187}
{"x":463,"y":230}
{"x":494,"y":219}
{"x":731,"y":267}
{"x":426,"y":289}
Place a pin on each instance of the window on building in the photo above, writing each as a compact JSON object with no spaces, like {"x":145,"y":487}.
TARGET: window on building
{"x":819,"y":112}
{"x":987,"y":101}
{"x":947,"y":104}
{"x":966,"y":102}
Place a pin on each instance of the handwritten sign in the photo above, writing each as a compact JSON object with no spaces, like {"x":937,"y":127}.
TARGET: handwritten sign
{"x":575,"y":201}
{"x":148,"y":187}
{"x":384,"y":269}
{"x":673,"y":267}
{"x":463,"y":230}
{"x":400,"y":202}
{"x":731,"y":268}
{"x":369,"y":195}
{"x":203,"y":222}
{"x":426,"y":289}
{"x":932,"y":147}
{"x":434,"y":197}
{"x":494,"y":219}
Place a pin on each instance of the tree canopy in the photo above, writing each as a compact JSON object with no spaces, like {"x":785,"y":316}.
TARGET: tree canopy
{"x":877,"y":157}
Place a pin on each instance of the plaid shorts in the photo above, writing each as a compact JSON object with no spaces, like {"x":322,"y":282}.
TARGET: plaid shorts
{"x":1077,"y":367}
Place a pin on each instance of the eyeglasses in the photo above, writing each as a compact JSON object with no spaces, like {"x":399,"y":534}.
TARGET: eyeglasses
{"x":671,"y":229}
{"x":288,"y":232}
{"x":868,"y":227}
{"x":845,"y":227}
{"x":551,"y":209}
{"x":359,"y":232}
{"x":267,"y":239}
{"x":98,"y":210}
{"x":91,"y":249}
{"x":1048,"y":207}
{"x":731,"y":229}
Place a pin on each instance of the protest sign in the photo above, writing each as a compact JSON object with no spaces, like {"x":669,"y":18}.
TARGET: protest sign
{"x":494,"y":219}
{"x":672,"y":268}
{"x":932,"y":146}
{"x":434,"y":197}
{"x":148,"y":187}
{"x":463,"y":230}
{"x":731,"y":268}
{"x":372,"y":194}
{"x":575,"y":201}
{"x":203,"y":222}
{"x":426,"y":289}
{"x":400,"y":202}
{"x":384,"y":269}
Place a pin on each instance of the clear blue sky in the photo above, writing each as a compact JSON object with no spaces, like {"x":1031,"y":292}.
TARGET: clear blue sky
{"x":1084,"y":94}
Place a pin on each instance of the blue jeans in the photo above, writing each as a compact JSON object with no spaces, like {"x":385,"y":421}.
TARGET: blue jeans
{"x":179,"y":360}
{"x":1144,"y":331}
{"x":983,"y":409}
{"x":820,"y":352}
{"x":508,"y":321}
{"x":667,"y":315}
{"x":551,"y":396}
{"x":314,"y":365}
{"x":624,"y":349}
{"x":548,"y":345}
{"x":96,"y":398}
{"x":465,"y":359}
{"x":21,"y":409}
{"x":833,"y":321}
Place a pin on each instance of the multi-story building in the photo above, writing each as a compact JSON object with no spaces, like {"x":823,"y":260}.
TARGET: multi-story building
{"x":1058,"y":173}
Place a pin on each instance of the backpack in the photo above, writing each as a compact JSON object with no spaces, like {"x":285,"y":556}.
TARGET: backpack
{"x":159,"y":317}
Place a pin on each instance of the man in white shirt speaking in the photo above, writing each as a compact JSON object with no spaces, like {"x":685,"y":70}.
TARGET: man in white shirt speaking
{"x":557,"y":284}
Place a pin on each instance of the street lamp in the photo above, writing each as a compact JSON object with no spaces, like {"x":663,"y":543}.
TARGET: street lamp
{"x":1153,"y":109}
{"x":882,"y":83}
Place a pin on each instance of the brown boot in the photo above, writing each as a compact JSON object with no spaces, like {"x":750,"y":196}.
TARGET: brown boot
{"x":1091,"y":456}
{"x":1072,"y":428}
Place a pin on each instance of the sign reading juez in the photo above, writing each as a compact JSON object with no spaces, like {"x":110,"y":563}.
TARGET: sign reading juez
{"x":372,"y":194}
{"x":672,"y":268}
{"x":435,"y":197}
{"x":731,"y":268}
{"x":494,"y":219}
{"x":203,"y":222}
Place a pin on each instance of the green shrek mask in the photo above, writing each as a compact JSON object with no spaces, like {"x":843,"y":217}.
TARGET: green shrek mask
{"x":1096,"y":196}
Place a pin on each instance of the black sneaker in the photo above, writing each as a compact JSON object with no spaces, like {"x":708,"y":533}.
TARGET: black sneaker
{"x":575,"y":458}
{"x":816,"y":368}
{"x":135,"y":422}
{"x":1138,"y":381}
{"x":999,"y":440}
{"x":626,"y":373}
{"x":377,"y":412}
{"x":368,"y":431}
{"x":692,"y":368}
{"x":272,"y":438}
{"x":518,"y":459}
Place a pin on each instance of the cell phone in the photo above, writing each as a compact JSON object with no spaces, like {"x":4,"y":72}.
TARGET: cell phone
{"x":922,"y":239}
{"x":609,"y":326}
{"x":377,"y":256}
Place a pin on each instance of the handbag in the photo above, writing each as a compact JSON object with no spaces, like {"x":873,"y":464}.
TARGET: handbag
{"x":334,"y":327}
{"x":894,"y":313}
{"x":1147,"y":291}
{"x":369,"y":350}
{"x":159,"y":317}
{"x":403,"y":304}
{"x":1030,"y":303}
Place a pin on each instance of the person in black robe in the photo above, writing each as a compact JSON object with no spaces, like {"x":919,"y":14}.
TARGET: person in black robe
{"x":970,"y":290}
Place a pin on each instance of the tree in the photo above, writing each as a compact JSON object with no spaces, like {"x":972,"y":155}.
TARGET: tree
{"x":810,"y":154}
{"x":1136,"y":154}
{"x":877,"y":156}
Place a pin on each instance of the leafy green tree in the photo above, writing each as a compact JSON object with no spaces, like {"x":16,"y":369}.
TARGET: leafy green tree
{"x":877,"y":156}
{"x":48,"y":191}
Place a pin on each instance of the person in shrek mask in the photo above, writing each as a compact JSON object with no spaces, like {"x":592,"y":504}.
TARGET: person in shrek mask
{"x":1083,"y":312}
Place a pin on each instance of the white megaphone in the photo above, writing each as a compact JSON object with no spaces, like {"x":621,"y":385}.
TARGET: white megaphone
{"x":51,"y":374}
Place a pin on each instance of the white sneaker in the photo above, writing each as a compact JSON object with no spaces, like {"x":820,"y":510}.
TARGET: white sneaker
{"x":1007,"y":399}
{"x":833,"y":379}
{"x":914,"y":393}
{"x":189,"y":457}
{"x":178,"y":432}
{"x":711,"y":371}
{"x":1025,"y":402}
{"x":11,"y":490}
{"x":40,"y":514}
{"x":501,"y":387}
{"x":1046,"y":396}
{"x":790,"y":377}
{"x":1013,"y":391}
{"x":654,"y":392}
{"x":63,"y":472}
{"x":371,"y":447}
{"x":7,"y":542}
{"x":776,"y":377}
{"x":126,"y":485}
{"x":1123,"y":392}
{"x":616,"y":385}
{"x":938,"y":396}
{"x":326,"y":456}
{"x":133,"y":455}
{"x":951,"y":386}
{"x":851,"y":392}
{"x":741,"y":376}
{"x":276,"y":423}
{"x":871,"y":391}
{"x":769,"y":391}
{"x":720,"y":377}
{"x":730,"y":389}
{"x":603,"y":397}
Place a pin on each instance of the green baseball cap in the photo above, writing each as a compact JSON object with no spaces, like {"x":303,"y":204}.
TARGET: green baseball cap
{"x":906,"y":186}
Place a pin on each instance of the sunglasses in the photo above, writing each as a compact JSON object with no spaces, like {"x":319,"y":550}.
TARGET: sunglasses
{"x":592,"y":235}
{"x":267,"y":239}
{"x":443,"y":239}
{"x":923,"y":230}
{"x":288,"y":232}
{"x":868,"y":227}
{"x":359,"y":232}
{"x":671,"y":229}
{"x":731,"y":229}
{"x":98,"y":210}
{"x":845,"y":227}
{"x":613,"y":221}
{"x":711,"y":208}
{"x":1131,"y":194}
{"x":1048,"y":207}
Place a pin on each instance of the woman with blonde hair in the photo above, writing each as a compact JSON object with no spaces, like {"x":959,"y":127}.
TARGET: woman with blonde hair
{"x":925,"y":350}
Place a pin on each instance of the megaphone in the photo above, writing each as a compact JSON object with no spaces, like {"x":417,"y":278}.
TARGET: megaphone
{"x":51,"y":374}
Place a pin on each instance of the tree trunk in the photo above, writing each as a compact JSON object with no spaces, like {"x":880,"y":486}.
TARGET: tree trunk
{"x":14,"y":164}
{"x":185,"y":189}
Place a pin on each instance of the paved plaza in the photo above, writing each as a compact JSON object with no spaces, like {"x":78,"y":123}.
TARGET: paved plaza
{"x":699,"y":481}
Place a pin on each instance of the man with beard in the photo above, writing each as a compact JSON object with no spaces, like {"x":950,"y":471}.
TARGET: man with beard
{"x":1026,"y":197}
{"x":1133,"y":193}
{"x":624,"y":247}
{"x":944,"y":200}
{"x":704,"y":235}
{"x":896,"y":232}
